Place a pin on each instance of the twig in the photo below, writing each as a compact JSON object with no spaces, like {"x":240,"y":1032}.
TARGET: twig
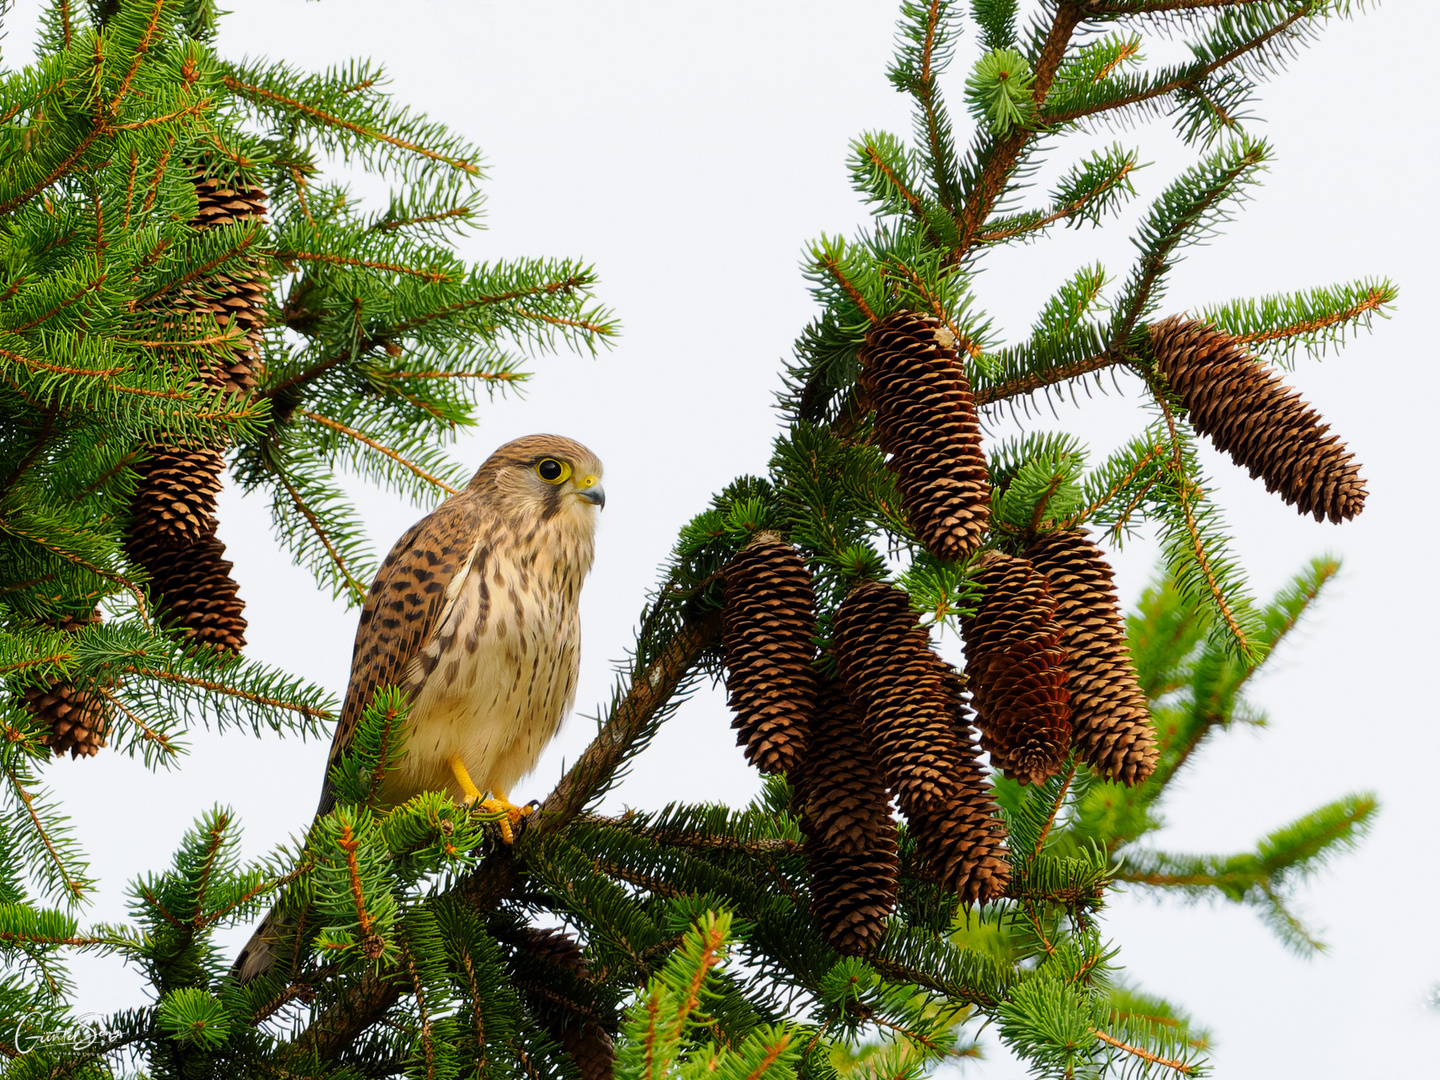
{"x":311,"y":111}
{"x":1143,"y":1054}
{"x":361,"y":437}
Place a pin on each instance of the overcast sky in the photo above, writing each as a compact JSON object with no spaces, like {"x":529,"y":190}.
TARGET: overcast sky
{"x":689,"y":151}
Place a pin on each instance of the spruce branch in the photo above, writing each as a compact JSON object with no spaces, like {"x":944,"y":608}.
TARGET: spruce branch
{"x":357,"y":588}
{"x":1210,"y":568}
{"x":926,"y":49}
{"x":1316,"y":319}
{"x":267,"y":96}
{"x":1157,"y":7}
{"x":991,"y":182}
{"x":1192,"y":77}
{"x":361,"y":437}
{"x":1028,"y":384}
{"x":1185,"y":214}
{"x":287,"y":257}
{"x":829,"y":263}
{"x":488,"y":376}
{"x":57,"y":868}
{"x":55,"y":548}
{"x":1096,"y":187}
{"x":1265,"y":878}
{"x":884,"y":171}
{"x":162,"y":672}
{"x":148,"y":734}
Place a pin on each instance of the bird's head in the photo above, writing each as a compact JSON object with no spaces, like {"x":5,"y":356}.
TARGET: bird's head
{"x":538,"y":477}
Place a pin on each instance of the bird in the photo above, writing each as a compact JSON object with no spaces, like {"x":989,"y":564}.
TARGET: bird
{"x":474,"y":615}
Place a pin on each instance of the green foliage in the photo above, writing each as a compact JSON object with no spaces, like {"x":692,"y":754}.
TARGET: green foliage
{"x":664,"y":1031}
{"x":1318,"y":319}
{"x":192,"y":1015}
{"x":996,"y":20}
{"x":378,"y":748}
{"x":1000,"y":92}
{"x":1188,"y":212}
{"x":1036,"y":480}
{"x":659,"y":899}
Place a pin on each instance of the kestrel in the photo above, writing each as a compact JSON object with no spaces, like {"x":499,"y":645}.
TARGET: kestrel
{"x":475,"y":615}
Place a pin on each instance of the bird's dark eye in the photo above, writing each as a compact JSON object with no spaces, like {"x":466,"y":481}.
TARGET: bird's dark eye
{"x":552,"y":471}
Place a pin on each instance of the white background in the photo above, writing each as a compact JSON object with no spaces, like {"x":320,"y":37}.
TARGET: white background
{"x":690,"y":151}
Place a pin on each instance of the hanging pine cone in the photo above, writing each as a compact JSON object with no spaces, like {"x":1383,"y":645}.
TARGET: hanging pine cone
{"x":891,"y":675}
{"x":238,"y":295}
{"x":78,"y":719}
{"x":769,"y":630}
{"x":175,"y":496}
{"x":852,"y":895}
{"x":843,"y":792}
{"x":194,"y":591}
{"x":1013,"y":661}
{"x":587,"y":1043}
{"x":1110,"y":716}
{"x":925,"y":419}
{"x":1264,"y":425}
{"x":963,"y":843}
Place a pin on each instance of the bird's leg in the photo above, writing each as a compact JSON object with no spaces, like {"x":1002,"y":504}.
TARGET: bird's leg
{"x":462,"y":777}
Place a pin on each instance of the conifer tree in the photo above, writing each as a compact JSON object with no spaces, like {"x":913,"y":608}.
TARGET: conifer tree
{"x":188,"y":291}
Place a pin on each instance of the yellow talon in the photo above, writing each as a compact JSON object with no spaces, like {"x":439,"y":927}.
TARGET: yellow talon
{"x":500,"y":804}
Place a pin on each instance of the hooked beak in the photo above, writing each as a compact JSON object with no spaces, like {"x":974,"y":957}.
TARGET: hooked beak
{"x":590,"y":489}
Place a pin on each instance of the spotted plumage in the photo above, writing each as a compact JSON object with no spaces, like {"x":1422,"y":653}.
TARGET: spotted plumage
{"x":474,"y":615}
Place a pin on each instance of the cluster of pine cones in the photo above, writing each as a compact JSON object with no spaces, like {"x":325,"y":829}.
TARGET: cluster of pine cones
{"x":1047,"y":669}
{"x":171,"y":532}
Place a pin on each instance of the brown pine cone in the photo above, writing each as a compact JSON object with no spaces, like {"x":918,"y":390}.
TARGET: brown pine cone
{"x":1014,"y":663}
{"x":551,"y":945}
{"x":175,"y":496}
{"x":963,"y":843}
{"x":587,"y":1043}
{"x":842,"y":792}
{"x":234,"y":294}
{"x":193,"y":590}
{"x":891,"y":676}
{"x":852,"y":895}
{"x":1264,"y":425}
{"x":925,"y":419}
{"x":78,"y":719}
{"x":769,"y":631}
{"x":1110,"y":716}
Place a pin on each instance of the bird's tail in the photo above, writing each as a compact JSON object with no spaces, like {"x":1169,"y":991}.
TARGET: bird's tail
{"x":258,"y":955}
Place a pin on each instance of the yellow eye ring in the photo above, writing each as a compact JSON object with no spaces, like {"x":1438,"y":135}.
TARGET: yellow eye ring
{"x":552,"y":471}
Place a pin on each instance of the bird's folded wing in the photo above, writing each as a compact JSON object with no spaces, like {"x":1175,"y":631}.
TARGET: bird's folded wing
{"x":416,"y":586}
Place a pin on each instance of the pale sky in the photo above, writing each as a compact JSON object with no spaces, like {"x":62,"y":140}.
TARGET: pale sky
{"x":690,"y":151}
